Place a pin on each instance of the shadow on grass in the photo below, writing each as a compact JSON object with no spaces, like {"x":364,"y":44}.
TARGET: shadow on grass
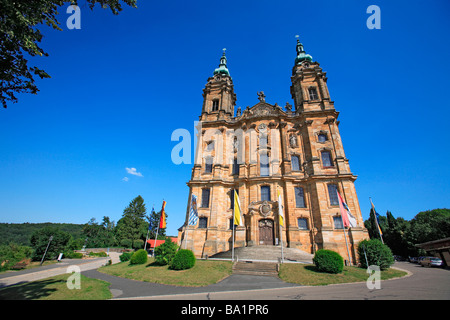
{"x":312,"y":268}
{"x":29,"y":291}
{"x":155,"y":264}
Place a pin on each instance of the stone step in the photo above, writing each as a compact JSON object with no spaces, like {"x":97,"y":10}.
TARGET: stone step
{"x":255,"y":268}
{"x":266,"y":253}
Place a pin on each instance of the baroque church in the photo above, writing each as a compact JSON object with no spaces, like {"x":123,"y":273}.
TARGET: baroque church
{"x":268,"y":150}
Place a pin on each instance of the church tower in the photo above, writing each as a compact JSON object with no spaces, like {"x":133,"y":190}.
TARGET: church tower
{"x":219,"y":98}
{"x":268,"y":150}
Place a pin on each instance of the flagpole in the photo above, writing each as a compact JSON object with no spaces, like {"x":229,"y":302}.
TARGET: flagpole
{"x":281,"y":239}
{"x":279,"y":223}
{"x":234,"y":217}
{"x":376,"y":220}
{"x":346,"y":244}
{"x":146,"y":238}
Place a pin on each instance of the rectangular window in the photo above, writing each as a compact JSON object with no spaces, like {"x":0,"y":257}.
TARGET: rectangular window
{"x":322,"y":137}
{"x":205,"y":198}
{"x":299,"y":198}
{"x":326,"y":159}
{"x":208,"y":165}
{"x":313,"y":94}
{"x":202,"y":222}
{"x":232,"y":197}
{"x":265,"y":193}
{"x":235,"y":166}
{"x":338,"y":223}
{"x":263,"y":141}
{"x":295,"y":163}
{"x":302,"y":223}
{"x":210,"y":146}
{"x":215,"y":105}
{"x":264,"y":164}
{"x":231,"y":224}
{"x":332,"y":193}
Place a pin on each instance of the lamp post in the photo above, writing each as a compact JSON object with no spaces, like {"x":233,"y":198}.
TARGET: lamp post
{"x":49,"y":240}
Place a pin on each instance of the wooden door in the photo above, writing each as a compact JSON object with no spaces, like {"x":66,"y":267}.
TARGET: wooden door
{"x":266,"y":232}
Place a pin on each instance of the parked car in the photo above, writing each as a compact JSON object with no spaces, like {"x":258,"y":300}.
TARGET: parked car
{"x":413,"y":259}
{"x":431,"y":262}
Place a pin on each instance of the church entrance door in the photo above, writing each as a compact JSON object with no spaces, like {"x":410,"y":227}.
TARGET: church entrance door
{"x":266,"y":232}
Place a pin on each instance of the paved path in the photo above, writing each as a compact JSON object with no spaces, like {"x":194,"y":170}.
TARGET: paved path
{"x":38,"y":273}
{"x":422,"y":283}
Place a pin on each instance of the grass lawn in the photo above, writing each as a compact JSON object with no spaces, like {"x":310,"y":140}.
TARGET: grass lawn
{"x":204,"y":272}
{"x":55,"y":288}
{"x":308,"y":276}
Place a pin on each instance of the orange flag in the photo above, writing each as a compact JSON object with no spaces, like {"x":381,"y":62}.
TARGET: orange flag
{"x":162,"y":220}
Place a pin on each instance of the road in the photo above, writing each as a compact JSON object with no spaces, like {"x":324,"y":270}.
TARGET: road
{"x":34,"y":274}
{"x":421,"y":284}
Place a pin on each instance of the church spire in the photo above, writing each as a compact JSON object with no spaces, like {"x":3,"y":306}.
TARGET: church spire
{"x":301,"y":54}
{"x":222,"y":69}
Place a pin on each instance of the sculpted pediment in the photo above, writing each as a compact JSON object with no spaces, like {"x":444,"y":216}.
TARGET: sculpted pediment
{"x":263,"y":109}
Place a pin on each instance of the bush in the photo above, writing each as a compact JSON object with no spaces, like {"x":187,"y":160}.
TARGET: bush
{"x":328,"y":261}
{"x":138,"y":244}
{"x":126,"y":256}
{"x":12,"y":254}
{"x":41,"y":244}
{"x":165,"y":252}
{"x":139,"y":257}
{"x":126,"y":243}
{"x":183,"y":259}
{"x":72,"y":255}
{"x":377,"y":253}
{"x":98,"y":254}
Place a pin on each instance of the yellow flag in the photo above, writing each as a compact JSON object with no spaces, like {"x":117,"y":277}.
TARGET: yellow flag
{"x":280,"y":210}
{"x":237,"y":210}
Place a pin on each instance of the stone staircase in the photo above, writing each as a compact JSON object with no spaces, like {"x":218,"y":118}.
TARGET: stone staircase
{"x":266,"y":254}
{"x":256,"y":268}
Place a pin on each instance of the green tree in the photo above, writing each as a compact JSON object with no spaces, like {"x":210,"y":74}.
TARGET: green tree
{"x":40,"y":239}
{"x":394,"y":235}
{"x":99,"y":235}
{"x":153,"y":220}
{"x":165,"y":252}
{"x":132,"y":225}
{"x":12,"y":254}
{"x":376,"y":253}
{"x":19,"y":38}
{"x":371,"y":226}
{"x":429,"y":225}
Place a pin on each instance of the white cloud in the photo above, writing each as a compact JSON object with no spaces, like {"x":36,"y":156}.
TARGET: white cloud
{"x":134,"y":172}
{"x":125,"y":179}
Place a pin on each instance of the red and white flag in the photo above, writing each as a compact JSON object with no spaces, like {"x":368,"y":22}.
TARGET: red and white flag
{"x":347,"y":218}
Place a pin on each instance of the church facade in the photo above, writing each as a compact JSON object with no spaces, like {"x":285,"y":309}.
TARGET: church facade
{"x":265,"y":150}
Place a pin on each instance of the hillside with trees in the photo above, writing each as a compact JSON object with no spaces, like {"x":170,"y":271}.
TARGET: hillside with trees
{"x":402,"y":235}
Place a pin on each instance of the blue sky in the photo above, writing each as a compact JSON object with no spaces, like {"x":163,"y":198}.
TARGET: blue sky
{"x":122,"y":84}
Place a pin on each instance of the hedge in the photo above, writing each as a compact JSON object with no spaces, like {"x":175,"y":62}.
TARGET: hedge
{"x":328,"y":261}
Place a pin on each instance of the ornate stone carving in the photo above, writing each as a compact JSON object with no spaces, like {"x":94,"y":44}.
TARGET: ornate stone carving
{"x":261,"y":96}
{"x":265,"y":208}
{"x":293,"y":141}
{"x":264,"y":223}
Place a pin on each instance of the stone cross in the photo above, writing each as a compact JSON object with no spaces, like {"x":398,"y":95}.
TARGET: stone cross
{"x":261,"y":96}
